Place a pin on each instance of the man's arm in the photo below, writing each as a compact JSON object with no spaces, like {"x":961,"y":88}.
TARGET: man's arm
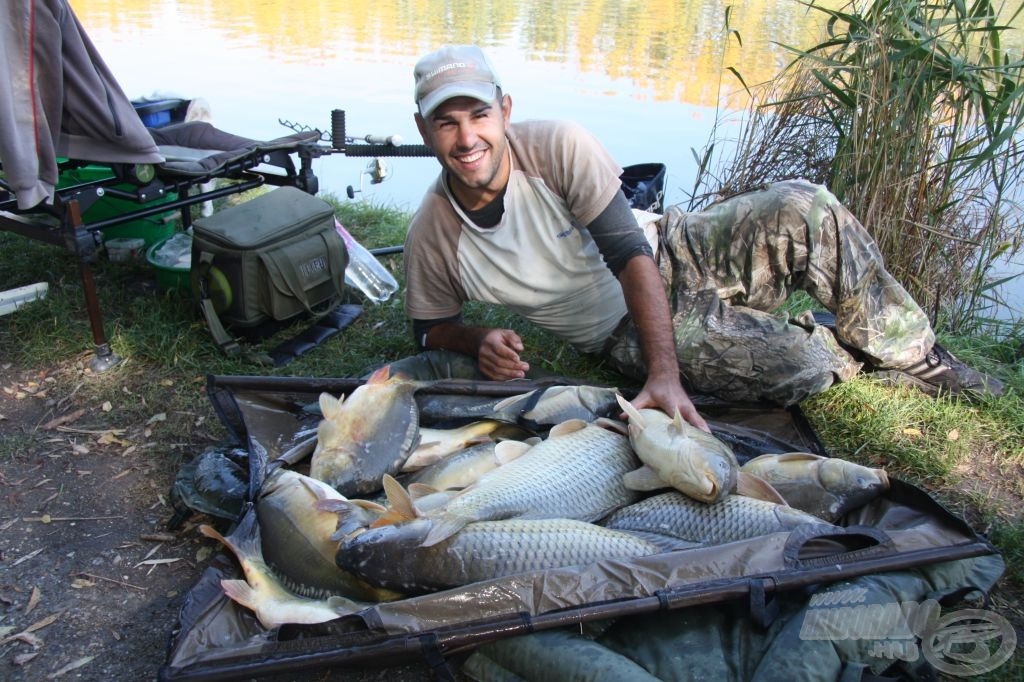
{"x":629,"y":257}
{"x":496,"y":350}
{"x":648,"y":306}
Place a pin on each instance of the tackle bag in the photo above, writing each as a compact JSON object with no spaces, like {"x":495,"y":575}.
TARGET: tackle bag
{"x":266,"y":261}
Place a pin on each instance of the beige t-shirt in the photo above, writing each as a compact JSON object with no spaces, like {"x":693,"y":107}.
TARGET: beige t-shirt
{"x":538,"y":261}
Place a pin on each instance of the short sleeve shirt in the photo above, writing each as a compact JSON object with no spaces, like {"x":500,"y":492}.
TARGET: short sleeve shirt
{"x":538,"y":261}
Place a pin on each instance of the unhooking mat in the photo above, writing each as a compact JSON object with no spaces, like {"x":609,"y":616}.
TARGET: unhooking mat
{"x":779,"y":606}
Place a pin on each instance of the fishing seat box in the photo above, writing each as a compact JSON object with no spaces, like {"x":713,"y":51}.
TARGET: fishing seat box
{"x":267,"y":260}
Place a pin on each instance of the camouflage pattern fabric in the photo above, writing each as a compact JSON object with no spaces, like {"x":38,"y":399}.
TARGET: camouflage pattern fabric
{"x":728,"y":267}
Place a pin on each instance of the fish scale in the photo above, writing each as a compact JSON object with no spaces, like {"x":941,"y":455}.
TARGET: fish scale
{"x":394,"y":557}
{"x":734,"y":518}
{"x":574,"y":475}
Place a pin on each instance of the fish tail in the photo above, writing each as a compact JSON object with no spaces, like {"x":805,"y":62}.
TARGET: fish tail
{"x":330,"y":406}
{"x":400,"y":504}
{"x":443,"y":528}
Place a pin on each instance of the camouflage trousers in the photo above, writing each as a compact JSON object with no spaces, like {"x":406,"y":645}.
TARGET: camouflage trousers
{"x":729,"y":267}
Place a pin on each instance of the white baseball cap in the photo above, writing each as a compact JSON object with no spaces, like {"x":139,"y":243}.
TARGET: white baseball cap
{"x":454,"y":71}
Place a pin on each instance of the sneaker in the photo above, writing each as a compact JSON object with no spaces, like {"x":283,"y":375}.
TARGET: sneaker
{"x":941,"y":372}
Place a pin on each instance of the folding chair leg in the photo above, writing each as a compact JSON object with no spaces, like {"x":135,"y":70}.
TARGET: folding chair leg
{"x":105,"y":357}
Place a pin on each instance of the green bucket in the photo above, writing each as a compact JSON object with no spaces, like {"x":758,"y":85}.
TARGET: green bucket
{"x":169,"y":278}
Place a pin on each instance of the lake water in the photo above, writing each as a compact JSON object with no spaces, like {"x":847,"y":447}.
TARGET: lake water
{"x":650,"y":79}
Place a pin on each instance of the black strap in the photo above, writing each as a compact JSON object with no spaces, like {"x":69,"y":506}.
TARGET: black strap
{"x":432,"y":655}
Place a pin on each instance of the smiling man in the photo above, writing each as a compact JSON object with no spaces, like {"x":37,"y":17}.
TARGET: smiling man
{"x":530,"y":215}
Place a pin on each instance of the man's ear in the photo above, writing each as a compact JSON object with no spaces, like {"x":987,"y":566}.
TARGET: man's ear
{"x":421,"y":125}
{"x":506,"y":108}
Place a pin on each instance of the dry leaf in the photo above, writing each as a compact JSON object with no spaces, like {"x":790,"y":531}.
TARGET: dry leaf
{"x":914,"y":433}
{"x":82,"y":583}
{"x":158,"y":417}
{"x":22,"y":659}
{"x":166,"y":382}
{"x":74,"y":665}
{"x":79,"y":449}
{"x":953,"y":435}
{"x":107,"y":407}
{"x":33,"y":600}
{"x":156,"y":562}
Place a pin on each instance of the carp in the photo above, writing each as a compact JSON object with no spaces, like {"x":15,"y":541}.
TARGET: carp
{"x":553,"y":405}
{"x":575,"y":473}
{"x":736,"y":517}
{"x":678,"y":455}
{"x":395,"y":557}
{"x":263,"y":593}
{"x":824,"y":486}
{"x":437,"y":444}
{"x":367,"y":435}
{"x":297,"y":538}
{"x":465,"y":467}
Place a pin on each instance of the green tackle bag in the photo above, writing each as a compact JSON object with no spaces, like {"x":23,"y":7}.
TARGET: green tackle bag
{"x":266,"y":261}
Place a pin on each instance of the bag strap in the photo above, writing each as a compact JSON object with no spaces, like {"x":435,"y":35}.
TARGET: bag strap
{"x":225,"y":341}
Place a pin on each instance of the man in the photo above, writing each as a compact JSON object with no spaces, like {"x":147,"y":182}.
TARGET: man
{"x":531,"y":216}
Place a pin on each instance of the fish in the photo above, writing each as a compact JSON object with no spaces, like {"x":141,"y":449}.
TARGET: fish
{"x":465,"y":467}
{"x":824,"y":486}
{"x":678,"y":455}
{"x":575,"y":473}
{"x":736,"y":517}
{"x":366,"y":435}
{"x":396,"y":558}
{"x":553,"y":405}
{"x":436,"y":444}
{"x":263,"y":593}
{"x":297,"y":538}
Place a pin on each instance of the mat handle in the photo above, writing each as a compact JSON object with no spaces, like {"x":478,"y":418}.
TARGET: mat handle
{"x":814,"y":546}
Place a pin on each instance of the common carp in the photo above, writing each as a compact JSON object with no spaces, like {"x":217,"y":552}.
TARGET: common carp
{"x":465,"y":467}
{"x":261,"y":591}
{"x":575,"y":473}
{"x":678,"y":455}
{"x":395,"y":557}
{"x":734,"y":518}
{"x":367,"y":435}
{"x":437,"y":444}
{"x":824,"y":486}
{"x":297,"y":538}
{"x":553,"y":405}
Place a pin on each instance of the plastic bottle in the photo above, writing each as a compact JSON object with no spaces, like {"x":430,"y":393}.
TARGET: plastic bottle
{"x":364,"y":271}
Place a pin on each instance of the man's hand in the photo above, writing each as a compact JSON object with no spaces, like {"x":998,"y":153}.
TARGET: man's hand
{"x":668,"y":396}
{"x":498,"y":355}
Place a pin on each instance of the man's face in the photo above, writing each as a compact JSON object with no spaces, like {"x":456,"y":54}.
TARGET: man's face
{"x":468,"y":138}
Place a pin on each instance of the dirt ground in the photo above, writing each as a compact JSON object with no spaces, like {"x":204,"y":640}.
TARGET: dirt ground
{"x":91,"y":578}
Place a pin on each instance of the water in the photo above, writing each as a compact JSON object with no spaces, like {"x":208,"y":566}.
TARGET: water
{"x":650,"y":79}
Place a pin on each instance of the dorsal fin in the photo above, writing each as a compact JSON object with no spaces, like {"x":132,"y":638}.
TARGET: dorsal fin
{"x":567,"y":427}
{"x":678,"y":423}
{"x":749,"y":485}
{"x":508,"y":450}
{"x":631,"y":412}
{"x":418,"y":490}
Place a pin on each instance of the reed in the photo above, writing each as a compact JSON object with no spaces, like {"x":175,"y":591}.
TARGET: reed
{"x":911,"y":113}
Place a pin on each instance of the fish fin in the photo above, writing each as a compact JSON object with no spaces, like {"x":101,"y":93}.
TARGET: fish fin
{"x":400,"y":504}
{"x":369,"y":505}
{"x":798,"y":457}
{"x":631,"y":412}
{"x":749,"y":485}
{"x":613,"y":425}
{"x":443,"y":528}
{"x":508,"y":450}
{"x":422,"y":457}
{"x":509,"y":401}
{"x":678,"y":423}
{"x":418,"y":490}
{"x":326,"y":432}
{"x":380,"y":375}
{"x":330,"y":406}
{"x":567,"y":427}
{"x":240,"y":591}
{"x":342,"y":605}
{"x":644,"y":478}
